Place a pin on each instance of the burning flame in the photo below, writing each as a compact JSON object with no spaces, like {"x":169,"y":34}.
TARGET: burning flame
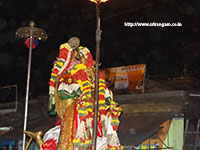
{"x":100,"y":1}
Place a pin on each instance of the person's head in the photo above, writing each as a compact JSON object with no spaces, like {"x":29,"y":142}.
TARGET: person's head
{"x":74,"y":42}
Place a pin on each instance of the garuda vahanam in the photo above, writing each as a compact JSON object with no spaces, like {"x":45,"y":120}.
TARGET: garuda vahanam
{"x":71,"y":91}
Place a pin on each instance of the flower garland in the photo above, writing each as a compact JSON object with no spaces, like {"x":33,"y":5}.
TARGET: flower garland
{"x":114,"y":144}
{"x":85,"y":104}
{"x":108,"y":147}
{"x":83,"y":139}
{"x":81,"y":143}
{"x":115,"y":111}
{"x":85,"y":110}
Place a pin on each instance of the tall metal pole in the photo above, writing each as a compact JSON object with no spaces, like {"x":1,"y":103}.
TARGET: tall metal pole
{"x":96,"y":110}
{"x":30,"y":32}
{"x":27,"y":91}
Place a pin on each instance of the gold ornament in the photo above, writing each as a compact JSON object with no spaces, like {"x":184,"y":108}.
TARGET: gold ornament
{"x":37,"y":136}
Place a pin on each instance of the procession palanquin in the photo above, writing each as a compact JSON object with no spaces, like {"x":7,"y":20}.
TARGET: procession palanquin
{"x":71,"y":90}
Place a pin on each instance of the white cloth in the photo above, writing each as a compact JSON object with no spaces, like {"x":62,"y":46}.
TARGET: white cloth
{"x":53,"y":133}
{"x":68,"y":87}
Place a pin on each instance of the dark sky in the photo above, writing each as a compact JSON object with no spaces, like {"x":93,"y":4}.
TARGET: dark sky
{"x":164,"y":50}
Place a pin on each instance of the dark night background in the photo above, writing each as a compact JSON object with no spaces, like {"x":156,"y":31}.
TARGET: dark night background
{"x":164,"y":50}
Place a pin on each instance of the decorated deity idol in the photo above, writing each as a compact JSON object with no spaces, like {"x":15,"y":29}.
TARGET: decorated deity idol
{"x":71,"y":91}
